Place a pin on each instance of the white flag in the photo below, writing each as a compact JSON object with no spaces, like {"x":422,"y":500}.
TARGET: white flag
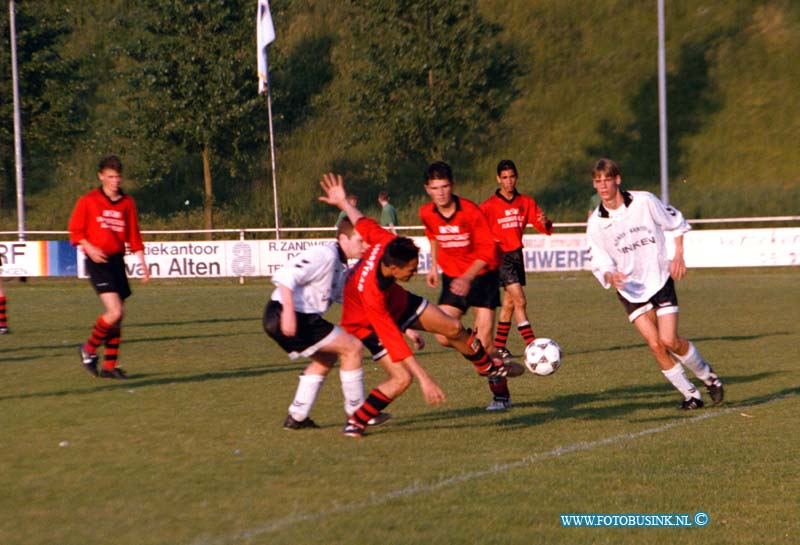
{"x":265,"y":34}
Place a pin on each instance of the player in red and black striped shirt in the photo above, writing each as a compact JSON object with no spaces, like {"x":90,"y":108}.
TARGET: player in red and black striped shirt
{"x":3,"y":313}
{"x":378,"y":311}
{"x":102,"y":223}
{"x":508,"y":213}
{"x":463,"y":247}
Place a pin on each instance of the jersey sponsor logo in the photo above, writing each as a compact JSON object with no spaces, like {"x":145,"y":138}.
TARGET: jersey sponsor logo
{"x":635,"y":245}
{"x":111,"y":219}
{"x":454,"y":241}
{"x":510,"y":222}
{"x":369,"y":264}
{"x":445,"y":229}
{"x":511,"y":211}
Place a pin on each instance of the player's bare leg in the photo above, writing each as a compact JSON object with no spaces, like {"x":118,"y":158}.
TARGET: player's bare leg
{"x":398,"y":379}
{"x":684,"y":352}
{"x":454,"y":312}
{"x":434,"y":320}
{"x":484,"y":327}
{"x":400,"y":374}
{"x":504,"y":325}
{"x":668,"y":334}
{"x":647,"y":324}
{"x":114,"y":307}
{"x":515,"y":295}
{"x":514,"y":305}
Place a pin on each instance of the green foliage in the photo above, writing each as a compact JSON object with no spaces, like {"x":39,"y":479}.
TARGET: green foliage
{"x":549,"y":84}
{"x":431,"y":77}
{"x":193,"y":83}
{"x":53,"y":93}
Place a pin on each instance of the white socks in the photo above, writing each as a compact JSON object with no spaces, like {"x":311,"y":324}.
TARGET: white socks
{"x":310,"y":385}
{"x":305,"y":396}
{"x":353,"y":389}
{"x":679,"y":380}
{"x":695,"y":363}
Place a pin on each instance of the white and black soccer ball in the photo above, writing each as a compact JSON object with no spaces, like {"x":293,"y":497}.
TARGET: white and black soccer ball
{"x":543,"y":357}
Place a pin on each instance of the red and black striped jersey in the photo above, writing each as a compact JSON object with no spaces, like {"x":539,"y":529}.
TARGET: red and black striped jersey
{"x":462,"y":238}
{"x":371,"y":303}
{"x":508,"y":218}
{"x":105,"y":223}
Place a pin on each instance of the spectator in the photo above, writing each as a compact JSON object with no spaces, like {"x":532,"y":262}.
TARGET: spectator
{"x":388,"y":213}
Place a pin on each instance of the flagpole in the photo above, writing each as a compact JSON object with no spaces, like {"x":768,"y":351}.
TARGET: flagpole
{"x":662,"y":105}
{"x":272,"y":157}
{"x":265,"y":34}
{"x":17,"y":125}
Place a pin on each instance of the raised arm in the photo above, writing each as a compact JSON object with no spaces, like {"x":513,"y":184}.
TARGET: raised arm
{"x":335,"y":195}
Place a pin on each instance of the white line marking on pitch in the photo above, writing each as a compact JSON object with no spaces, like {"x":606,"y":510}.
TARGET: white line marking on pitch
{"x":423,"y":488}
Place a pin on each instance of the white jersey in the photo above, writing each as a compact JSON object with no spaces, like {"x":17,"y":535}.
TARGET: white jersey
{"x":631,"y":240}
{"x":316,"y":278}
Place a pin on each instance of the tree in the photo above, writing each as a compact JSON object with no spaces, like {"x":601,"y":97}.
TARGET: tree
{"x":52,"y":92}
{"x":432,"y":76}
{"x":194,"y":86}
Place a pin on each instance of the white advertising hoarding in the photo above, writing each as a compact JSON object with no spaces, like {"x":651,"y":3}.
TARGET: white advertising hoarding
{"x":559,"y":252}
{"x":742,"y":247}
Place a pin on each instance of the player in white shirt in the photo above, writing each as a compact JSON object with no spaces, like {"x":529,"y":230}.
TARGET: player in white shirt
{"x":305,"y":288}
{"x":628,"y":251}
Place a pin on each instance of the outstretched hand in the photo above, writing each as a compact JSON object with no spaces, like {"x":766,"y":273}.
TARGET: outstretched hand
{"x":333,"y":186}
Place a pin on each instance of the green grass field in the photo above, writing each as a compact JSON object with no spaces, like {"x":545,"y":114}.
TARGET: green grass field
{"x":191,"y":450}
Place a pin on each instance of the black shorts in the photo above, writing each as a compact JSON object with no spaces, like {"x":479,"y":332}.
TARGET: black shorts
{"x":512,"y":268}
{"x":109,"y":277}
{"x":313,"y":331}
{"x":414,"y":309}
{"x":665,"y":301}
{"x":484,"y":292}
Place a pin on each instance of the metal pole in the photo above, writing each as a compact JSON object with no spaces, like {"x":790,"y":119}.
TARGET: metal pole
{"x":272,"y":156}
{"x":17,"y":125}
{"x":662,"y":104}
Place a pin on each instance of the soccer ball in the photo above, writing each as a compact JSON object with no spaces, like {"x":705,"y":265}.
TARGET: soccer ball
{"x":543,"y":357}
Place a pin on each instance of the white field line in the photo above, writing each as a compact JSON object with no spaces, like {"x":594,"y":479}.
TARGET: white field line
{"x":423,"y":488}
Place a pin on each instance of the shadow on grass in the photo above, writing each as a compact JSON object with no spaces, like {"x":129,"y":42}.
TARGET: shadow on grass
{"x":608,"y":404}
{"x":85,"y":328}
{"x":192,"y":322}
{"x":145,"y":380}
{"x":125,"y":341}
{"x":431,"y":348}
{"x":693,"y":339}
